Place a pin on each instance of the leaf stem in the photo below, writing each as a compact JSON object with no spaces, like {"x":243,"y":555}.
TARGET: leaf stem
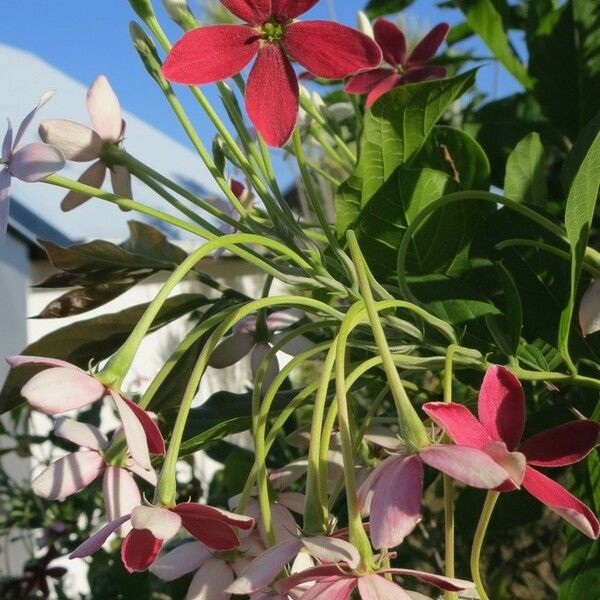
{"x":484,"y":520}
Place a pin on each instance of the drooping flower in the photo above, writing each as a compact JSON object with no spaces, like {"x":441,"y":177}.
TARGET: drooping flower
{"x":501,"y":408}
{"x":216,"y":52}
{"x":80,"y":143}
{"x":152,"y":526}
{"x":76,"y":470}
{"x":404,"y":68}
{"x":30,"y":163}
{"x":589,"y":309}
{"x":64,"y":387}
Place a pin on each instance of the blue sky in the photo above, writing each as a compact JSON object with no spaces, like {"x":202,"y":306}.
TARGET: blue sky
{"x":84,"y":38}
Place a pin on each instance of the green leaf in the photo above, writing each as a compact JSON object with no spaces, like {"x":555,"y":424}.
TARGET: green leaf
{"x":578,"y":151}
{"x":377,"y":8}
{"x":525,"y":179}
{"x":487,"y":22}
{"x":91,"y":340}
{"x":394,"y":132}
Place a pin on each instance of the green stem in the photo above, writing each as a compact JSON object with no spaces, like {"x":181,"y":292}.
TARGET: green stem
{"x":484,"y":520}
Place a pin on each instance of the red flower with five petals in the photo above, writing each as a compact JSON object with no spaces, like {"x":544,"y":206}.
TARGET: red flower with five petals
{"x":403,"y":68}
{"x":501,"y":408}
{"x":216,"y":52}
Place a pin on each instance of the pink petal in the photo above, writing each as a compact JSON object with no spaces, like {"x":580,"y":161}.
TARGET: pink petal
{"x":331,"y":588}
{"x":139,"y":550}
{"x":4,"y":200}
{"x":184,"y":559}
{"x":283,"y":319}
{"x":292,"y":500}
{"x":105,"y":110}
{"x":451,"y":584}
{"x":68,"y":475}
{"x":332,"y":550}
{"x":374,"y":587}
{"x":329,"y":49}
{"x":210,"y":581}
{"x":95,"y":541}
{"x":121,"y":495}
{"x":391,"y":40}
{"x":556,"y":498}
{"x":469,"y":465}
{"x":363,"y":83}
{"x":92,"y":176}
{"x":258,"y":354}
{"x":272,"y":95}
{"x":148,"y":475}
{"x":562,"y":445}
{"x":163,"y":523}
{"x":501,"y":406}
{"x":459,"y":423}
{"x":254,"y":12}
{"x":133,"y":431}
{"x":414,"y":75}
{"x":396,"y":505}
{"x":365,"y":491}
{"x":7,"y":142}
{"x":429,"y":45}
{"x":211,"y":53}
{"x":156,"y":443}
{"x":61,"y":389}
{"x":18,"y":361}
{"x":76,"y":141}
{"x":80,"y":433}
{"x":314,"y":574}
{"x":513,"y":463}
{"x":35,"y":161}
{"x":286,"y":10}
{"x":265,"y":567}
{"x":121,"y":181}
{"x":284,"y":524}
{"x":589,"y":309}
{"x":383,"y":88}
{"x":231,"y":350}
{"x":46,"y":96}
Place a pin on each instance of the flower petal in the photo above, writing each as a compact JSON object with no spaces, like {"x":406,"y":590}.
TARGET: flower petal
{"x":77,"y":142}
{"x":92,"y":176}
{"x":7,"y":142}
{"x":562,"y":502}
{"x":391,"y":40}
{"x":121,"y":495}
{"x":383,"y":88}
{"x":414,"y":75}
{"x":562,"y":445}
{"x":286,"y":10}
{"x":105,"y":110}
{"x":154,"y":438}
{"x":36,"y":161}
{"x":231,"y":350}
{"x":95,"y":541}
{"x":501,"y":406}
{"x":265,"y":567}
{"x":80,"y":433}
{"x":329,"y":49}
{"x":331,"y":588}
{"x":45,"y":97}
{"x":211,"y":53}
{"x":193,"y":510}
{"x":61,"y":389}
{"x":4,"y":200}
{"x":163,"y":523}
{"x":23,"y":360}
{"x":210,"y":581}
{"x":120,"y":178}
{"x":396,"y":505}
{"x":258,"y":354}
{"x":319,"y":573}
{"x":184,"y":559}
{"x":272,"y":95}
{"x":451,"y":584}
{"x":589,"y":309}
{"x":429,"y":45}
{"x":292,"y":500}
{"x":284,"y":524}
{"x":68,"y":475}
{"x":469,"y":465}
{"x":148,"y":475}
{"x":363,"y":83}
{"x":283,"y":319}
{"x":365,"y":491}
{"x":254,"y":12}
{"x":374,"y":587}
{"x":295,"y":346}
{"x":459,"y":423}
{"x":513,"y":463}
{"x":139,"y":550}
{"x":333,"y":550}
{"x":133,"y":431}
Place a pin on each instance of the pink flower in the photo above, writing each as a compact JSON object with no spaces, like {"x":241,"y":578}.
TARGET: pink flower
{"x":153,"y":525}
{"x":77,"y":470}
{"x":64,"y":387}
{"x":82,"y":144}
{"x":214,"y":53}
{"x":28,"y":163}
{"x":403,"y":68}
{"x":501,"y":408}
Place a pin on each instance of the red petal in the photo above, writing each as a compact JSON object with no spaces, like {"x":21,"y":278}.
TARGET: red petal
{"x":156,"y":443}
{"x":212,"y":53}
{"x":363,"y":83}
{"x":391,"y":41}
{"x":501,"y":406}
{"x":272,"y":95}
{"x":286,"y":10}
{"x":417,"y":74}
{"x":139,"y":550}
{"x":385,"y":86}
{"x":254,"y":12}
{"x":563,"y":445}
{"x":330,"y":50}
{"x":459,"y":423}
{"x":429,"y":45}
{"x":555,"y":497}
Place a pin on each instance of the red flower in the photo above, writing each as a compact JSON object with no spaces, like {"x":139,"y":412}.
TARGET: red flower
{"x":216,"y":52}
{"x":404,"y":69}
{"x":501,"y":408}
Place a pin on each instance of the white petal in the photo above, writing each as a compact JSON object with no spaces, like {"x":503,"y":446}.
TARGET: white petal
{"x":4,"y":200}
{"x":184,"y":559}
{"x":374,"y":587}
{"x":36,"y":161}
{"x":161,"y":522}
{"x":79,"y":433}
{"x":45,"y":97}
{"x":7,"y":143}
{"x":148,"y":474}
{"x":105,"y":110}
{"x":230,"y":350}
{"x":589,"y":309}
{"x":77,"y":142}
{"x":210,"y":582}
{"x":134,"y":433}
{"x":121,"y":181}
{"x":256,"y":358}
{"x":295,"y":346}
{"x":92,"y":176}
{"x":333,"y":550}
{"x":121,"y":495}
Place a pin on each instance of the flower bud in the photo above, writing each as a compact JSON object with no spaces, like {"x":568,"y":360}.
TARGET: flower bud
{"x":364,"y":25}
{"x":143,"y":9}
{"x":180,"y":12}
{"x":219,"y":153}
{"x":147,"y":50}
